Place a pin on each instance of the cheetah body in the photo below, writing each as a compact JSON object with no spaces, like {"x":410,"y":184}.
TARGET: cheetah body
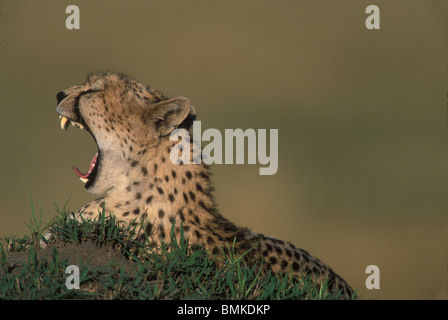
{"x":131,"y":124}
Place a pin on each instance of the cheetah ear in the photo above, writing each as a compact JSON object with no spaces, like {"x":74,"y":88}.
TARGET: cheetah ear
{"x":188,"y":121}
{"x":167,"y":115}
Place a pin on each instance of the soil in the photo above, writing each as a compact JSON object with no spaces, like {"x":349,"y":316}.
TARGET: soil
{"x":87,"y":253}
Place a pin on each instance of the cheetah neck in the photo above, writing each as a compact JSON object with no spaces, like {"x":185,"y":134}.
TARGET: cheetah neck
{"x":154,"y":189}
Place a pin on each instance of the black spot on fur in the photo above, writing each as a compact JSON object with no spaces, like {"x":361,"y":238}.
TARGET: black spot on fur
{"x":149,"y":199}
{"x":210,"y":240}
{"x":229,"y":228}
{"x":277,"y":241}
{"x":188,"y":175}
{"x":171,"y":197}
{"x":195,"y":217}
{"x":306,"y":257}
{"x":145,"y":171}
{"x":136,"y":211}
{"x":209,"y":210}
{"x":161,"y":213}
{"x":185,"y":197}
{"x":160,"y":190}
{"x":192,"y":195}
{"x":295,"y":266}
{"x":203,"y":175}
{"x":138,"y":195}
{"x":181,"y":216}
{"x":134,"y":163}
{"x":199,"y":188}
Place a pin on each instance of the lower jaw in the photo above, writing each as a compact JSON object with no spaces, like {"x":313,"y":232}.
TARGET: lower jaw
{"x":89,"y":177}
{"x":92,"y":176}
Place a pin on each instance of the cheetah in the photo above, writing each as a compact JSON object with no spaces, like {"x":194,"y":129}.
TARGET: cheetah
{"x":131,"y":125}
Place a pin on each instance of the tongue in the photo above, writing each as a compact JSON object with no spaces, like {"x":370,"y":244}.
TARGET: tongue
{"x":92,"y":165}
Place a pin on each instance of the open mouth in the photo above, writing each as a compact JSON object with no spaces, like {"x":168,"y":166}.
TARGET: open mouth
{"x":88,"y":177}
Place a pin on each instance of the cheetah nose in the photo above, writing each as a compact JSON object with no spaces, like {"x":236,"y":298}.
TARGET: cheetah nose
{"x":61,"y":96}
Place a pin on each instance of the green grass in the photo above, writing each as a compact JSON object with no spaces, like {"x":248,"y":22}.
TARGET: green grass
{"x":175,"y":271}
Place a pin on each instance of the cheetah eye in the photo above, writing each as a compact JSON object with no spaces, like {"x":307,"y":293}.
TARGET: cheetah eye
{"x":76,"y":104}
{"x":84,"y":93}
{"x":89,"y":91}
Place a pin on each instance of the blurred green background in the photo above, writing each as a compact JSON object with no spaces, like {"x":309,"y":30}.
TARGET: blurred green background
{"x":362,"y":118}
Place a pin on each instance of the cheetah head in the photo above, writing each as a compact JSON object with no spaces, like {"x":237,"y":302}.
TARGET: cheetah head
{"x":126,"y":119}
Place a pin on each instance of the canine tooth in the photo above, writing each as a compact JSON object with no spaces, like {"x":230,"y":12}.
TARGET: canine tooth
{"x":63,"y":123}
{"x":84,"y":180}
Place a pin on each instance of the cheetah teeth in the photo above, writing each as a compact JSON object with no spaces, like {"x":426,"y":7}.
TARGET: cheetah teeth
{"x":84,"y":177}
{"x":65,"y":122}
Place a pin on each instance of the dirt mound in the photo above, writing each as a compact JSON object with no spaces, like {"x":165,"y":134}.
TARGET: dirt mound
{"x":86,"y":253}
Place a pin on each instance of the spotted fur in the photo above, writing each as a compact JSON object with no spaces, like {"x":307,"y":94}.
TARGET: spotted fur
{"x":131,"y":124}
